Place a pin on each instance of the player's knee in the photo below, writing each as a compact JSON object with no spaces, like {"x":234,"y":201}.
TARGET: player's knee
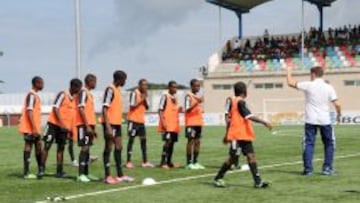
{"x":61,"y":147}
{"x":251,"y":158}
{"x":85,"y":149}
{"x":229,"y":161}
{"x":107,"y":152}
{"x":118,"y":147}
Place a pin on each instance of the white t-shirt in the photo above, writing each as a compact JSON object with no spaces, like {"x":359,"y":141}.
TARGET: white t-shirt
{"x":318,"y":95}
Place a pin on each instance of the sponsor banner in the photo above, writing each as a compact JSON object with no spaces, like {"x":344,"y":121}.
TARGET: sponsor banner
{"x":210,"y":119}
{"x":297,"y":118}
{"x":286,"y":118}
{"x":281,"y":118}
{"x":351,"y":118}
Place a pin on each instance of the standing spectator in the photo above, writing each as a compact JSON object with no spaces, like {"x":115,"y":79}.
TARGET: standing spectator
{"x":266,"y":38}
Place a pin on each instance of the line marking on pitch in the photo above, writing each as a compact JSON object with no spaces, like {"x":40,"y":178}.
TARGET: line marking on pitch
{"x":77,"y":196}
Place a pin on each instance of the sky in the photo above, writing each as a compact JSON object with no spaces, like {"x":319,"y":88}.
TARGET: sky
{"x":160,"y":40}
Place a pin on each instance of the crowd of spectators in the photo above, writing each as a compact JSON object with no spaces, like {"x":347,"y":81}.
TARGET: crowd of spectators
{"x":278,"y":47}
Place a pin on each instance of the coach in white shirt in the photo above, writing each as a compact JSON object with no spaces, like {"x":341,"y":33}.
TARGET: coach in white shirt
{"x":318,"y":96}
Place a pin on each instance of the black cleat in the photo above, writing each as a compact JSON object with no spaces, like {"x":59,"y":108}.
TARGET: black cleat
{"x":61,"y":175}
{"x":262,"y":185}
{"x":40,"y":175}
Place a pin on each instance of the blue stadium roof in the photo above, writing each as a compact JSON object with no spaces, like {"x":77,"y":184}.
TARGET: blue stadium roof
{"x":247,"y":5}
{"x":238,"y":5}
{"x":321,"y":2}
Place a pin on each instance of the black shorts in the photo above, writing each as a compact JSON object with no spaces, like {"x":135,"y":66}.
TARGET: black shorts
{"x":193,"y":132}
{"x":172,"y":136}
{"x":244,"y":147}
{"x":84,"y":139}
{"x":136,"y":129}
{"x":54,"y":132}
{"x":28,"y":138}
{"x":116,"y":130}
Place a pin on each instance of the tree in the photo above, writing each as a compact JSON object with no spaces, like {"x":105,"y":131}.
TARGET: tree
{"x":159,"y":86}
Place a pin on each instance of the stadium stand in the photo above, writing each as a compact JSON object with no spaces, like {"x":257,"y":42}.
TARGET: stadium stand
{"x":334,"y":49}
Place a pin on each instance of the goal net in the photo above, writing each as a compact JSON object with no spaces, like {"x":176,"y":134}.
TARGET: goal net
{"x":288,"y":111}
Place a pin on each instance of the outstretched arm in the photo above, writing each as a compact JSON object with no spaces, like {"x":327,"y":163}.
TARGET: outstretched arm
{"x":290,"y":80}
{"x":261,"y":121}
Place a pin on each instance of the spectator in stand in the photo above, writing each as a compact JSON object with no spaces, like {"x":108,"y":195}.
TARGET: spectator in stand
{"x":237,"y":45}
{"x":266,"y":38}
{"x":281,"y":47}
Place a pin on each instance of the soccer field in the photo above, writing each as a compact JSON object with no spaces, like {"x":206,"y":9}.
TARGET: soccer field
{"x":279,"y":159}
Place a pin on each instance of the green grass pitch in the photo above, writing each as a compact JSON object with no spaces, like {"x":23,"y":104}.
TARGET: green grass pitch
{"x":284,"y":147}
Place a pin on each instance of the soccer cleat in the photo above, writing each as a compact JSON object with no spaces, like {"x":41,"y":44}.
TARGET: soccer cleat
{"x":30,"y":177}
{"x":92,"y":177}
{"x":93,"y":158}
{"x":83,"y":178}
{"x":129,"y":165}
{"x":262,"y":185}
{"x":328,"y":172}
{"x":125,"y":178}
{"x":110,"y":180}
{"x":174,"y":165}
{"x":147,"y":165}
{"x":74,"y":163}
{"x":199,"y":166}
{"x":61,"y":175}
{"x":164,"y":166}
{"x":190,"y":167}
{"x":307,"y":173}
{"x":219,"y":183}
{"x":40,"y":174}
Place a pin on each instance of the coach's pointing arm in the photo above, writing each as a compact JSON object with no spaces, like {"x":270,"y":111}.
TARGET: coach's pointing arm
{"x":290,"y":80}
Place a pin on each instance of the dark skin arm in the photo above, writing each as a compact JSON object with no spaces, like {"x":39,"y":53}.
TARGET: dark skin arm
{"x":162,"y":119}
{"x":84,"y":119}
{"x":227,"y":121}
{"x":106,"y":120}
{"x":199,"y":100}
{"x":58,"y":117}
{"x":141,"y":102}
{"x":261,"y":121}
{"x":35,"y":131}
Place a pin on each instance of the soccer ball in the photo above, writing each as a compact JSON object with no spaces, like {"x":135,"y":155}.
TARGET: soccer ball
{"x":245,"y":167}
{"x":148,"y":181}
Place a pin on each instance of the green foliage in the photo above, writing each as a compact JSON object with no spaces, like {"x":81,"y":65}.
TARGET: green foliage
{"x":160,"y":86}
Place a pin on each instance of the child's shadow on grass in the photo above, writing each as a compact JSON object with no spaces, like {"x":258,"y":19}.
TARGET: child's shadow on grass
{"x":285,"y":171}
{"x":20,"y":176}
{"x":210,"y":184}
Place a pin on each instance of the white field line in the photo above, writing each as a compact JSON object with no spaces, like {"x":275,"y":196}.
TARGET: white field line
{"x":100,"y":192}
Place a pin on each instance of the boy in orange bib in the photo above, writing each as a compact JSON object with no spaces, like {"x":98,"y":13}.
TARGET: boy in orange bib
{"x":30,"y":126}
{"x":240,"y":135}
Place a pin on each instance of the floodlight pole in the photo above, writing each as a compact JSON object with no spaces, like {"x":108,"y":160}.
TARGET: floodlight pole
{"x":220,"y":26}
{"x":302,"y":32}
{"x":77,"y":38}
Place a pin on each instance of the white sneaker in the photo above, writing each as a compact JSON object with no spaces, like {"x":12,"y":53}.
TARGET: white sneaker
{"x":74,"y":163}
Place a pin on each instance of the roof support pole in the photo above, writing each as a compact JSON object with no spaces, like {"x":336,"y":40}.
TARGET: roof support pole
{"x":239,"y":15}
{"x":321,"y":17}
